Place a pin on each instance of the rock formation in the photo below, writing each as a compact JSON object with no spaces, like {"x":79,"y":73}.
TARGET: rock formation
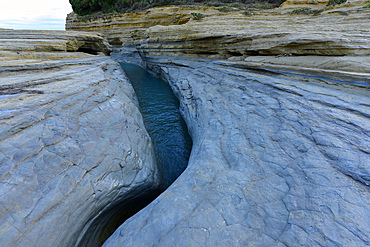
{"x":277,"y":161}
{"x":50,"y":41}
{"x":260,"y":38}
{"x":278,"y":108}
{"x":74,"y":152}
{"x":277,"y":105}
{"x":117,"y":28}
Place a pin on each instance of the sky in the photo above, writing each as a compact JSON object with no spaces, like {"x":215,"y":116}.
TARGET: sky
{"x":34,"y":14}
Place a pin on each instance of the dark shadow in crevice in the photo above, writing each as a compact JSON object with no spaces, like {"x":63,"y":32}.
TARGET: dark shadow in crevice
{"x":104,"y":225}
{"x":87,"y":50}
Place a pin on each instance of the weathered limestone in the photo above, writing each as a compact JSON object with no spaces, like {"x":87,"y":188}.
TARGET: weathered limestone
{"x":117,"y":28}
{"x":280,"y":158}
{"x":304,"y":3}
{"x":237,"y":36}
{"x":340,"y":30}
{"x":277,"y":160}
{"x":73,"y":148}
{"x":280,"y":127}
{"x":48,"y":41}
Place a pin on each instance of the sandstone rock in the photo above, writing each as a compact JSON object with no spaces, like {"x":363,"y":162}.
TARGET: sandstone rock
{"x":117,"y":28}
{"x":357,"y":67}
{"x":238,"y":35}
{"x":277,"y":160}
{"x":279,"y":115}
{"x":73,"y":148}
{"x":49,"y":41}
{"x":271,"y":33}
{"x":321,"y":4}
{"x":304,"y":3}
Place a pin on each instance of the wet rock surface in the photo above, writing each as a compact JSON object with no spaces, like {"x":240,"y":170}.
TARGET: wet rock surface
{"x":277,"y":161}
{"x":73,"y":148}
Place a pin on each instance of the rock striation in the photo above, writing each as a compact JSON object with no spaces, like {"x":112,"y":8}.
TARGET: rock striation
{"x":51,"y":41}
{"x":277,"y":104}
{"x":74,"y":152}
{"x":278,"y":108}
{"x":336,"y":31}
{"x":272,"y":38}
{"x":117,"y":28}
{"x":277,"y":160}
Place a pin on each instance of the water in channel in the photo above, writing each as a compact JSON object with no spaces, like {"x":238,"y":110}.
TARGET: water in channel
{"x":162,"y":119}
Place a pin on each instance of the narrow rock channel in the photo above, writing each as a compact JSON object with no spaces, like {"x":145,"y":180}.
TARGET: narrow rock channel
{"x":171,"y":141}
{"x":162,"y":118}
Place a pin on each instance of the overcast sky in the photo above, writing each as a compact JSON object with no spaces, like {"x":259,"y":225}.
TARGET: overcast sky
{"x":34,"y":14}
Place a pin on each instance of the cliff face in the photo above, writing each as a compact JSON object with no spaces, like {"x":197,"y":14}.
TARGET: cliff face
{"x":273,"y":38}
{"x":73,"y":147}
{"x":117,"y":28}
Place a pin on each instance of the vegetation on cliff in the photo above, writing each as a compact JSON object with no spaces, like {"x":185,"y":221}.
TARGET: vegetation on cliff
{"x":85,"y":7}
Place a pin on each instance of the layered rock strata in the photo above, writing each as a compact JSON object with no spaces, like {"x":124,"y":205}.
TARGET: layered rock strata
{"x":267,"y":38}
{"x":277,"y":160}
{"x":278,"y":109}
{"x":117,"y":28}
{"x":279,"y":115}
{"x":74,"y":152}
{"x":50,"y":41}
{"x":273,"y":38}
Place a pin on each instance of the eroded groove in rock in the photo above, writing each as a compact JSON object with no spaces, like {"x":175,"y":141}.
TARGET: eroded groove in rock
{"x":162,"y":118}
{"x":276,"y":162}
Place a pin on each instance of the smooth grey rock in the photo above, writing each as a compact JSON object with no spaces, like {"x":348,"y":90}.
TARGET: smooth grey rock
{"x":73,"y":150}
{"x":277,"y":160}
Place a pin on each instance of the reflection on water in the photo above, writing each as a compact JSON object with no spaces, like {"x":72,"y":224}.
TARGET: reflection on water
{"x":160,"y":109}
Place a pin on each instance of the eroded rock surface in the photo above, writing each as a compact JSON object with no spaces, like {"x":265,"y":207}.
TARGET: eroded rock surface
{"x":277,"y":160}
{"x":117,"y":28}
{"x":336,"y":31}
{"x":73,"y":147}
{"x":280,"y":128}
{"x":51,"y":41}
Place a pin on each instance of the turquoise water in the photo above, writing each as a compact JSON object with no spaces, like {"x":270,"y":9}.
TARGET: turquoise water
{"x":162,"y":119}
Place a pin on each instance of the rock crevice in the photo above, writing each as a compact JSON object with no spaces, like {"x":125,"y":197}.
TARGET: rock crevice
{"x":277,"y":161}
{"x":277,"y":106}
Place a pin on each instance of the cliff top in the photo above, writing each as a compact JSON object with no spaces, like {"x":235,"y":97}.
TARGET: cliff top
{"x":101,"y":7}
